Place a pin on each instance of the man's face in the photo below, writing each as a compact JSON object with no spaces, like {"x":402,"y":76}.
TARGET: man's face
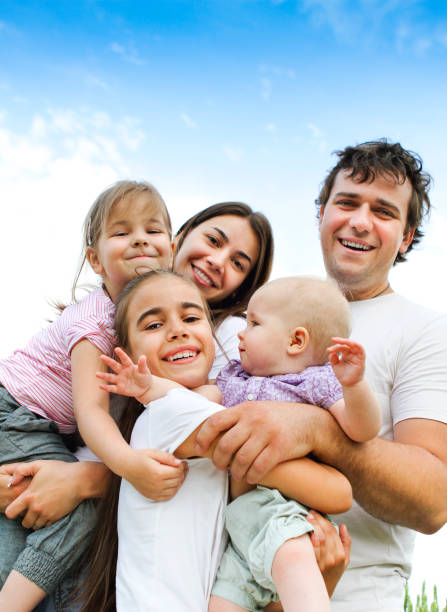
{"x":362,"y":228}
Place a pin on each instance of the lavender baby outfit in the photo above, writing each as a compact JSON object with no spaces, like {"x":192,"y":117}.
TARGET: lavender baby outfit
{"x":260,"y":521}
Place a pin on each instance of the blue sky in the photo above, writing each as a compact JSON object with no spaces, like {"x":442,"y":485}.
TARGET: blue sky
{"x":210,"y":101}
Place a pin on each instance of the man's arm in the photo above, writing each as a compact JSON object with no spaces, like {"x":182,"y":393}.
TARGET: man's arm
{"x":391,"y":478}
{"x":402,"y":481}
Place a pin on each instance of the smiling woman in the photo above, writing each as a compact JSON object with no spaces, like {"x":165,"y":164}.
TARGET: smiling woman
{"x":227,"y":251}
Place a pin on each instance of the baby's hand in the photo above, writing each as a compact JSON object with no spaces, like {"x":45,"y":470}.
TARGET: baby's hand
{"x":156,"y":474}
{"x":347,"y":359}
{"x":130,"y":379}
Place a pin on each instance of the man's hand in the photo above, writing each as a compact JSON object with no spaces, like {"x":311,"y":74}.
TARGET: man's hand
{"x":258,"y":435}
{"x":133,"y":380}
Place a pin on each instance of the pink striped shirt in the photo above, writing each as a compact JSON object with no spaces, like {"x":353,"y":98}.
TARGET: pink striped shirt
{"x":39,"y":376}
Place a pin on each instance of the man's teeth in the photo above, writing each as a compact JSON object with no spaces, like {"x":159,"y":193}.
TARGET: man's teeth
{"x":355,"y":245}
{"x":204,"y":277}
{"x":182,"y":355}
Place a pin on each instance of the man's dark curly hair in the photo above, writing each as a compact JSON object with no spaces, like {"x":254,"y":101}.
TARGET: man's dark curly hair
{"x":368,"y":160}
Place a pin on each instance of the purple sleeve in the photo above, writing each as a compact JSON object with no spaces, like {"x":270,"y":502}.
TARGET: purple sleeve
{"x":321,"y":386}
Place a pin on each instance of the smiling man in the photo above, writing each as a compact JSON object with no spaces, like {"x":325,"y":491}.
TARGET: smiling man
{"x":370,"y":207}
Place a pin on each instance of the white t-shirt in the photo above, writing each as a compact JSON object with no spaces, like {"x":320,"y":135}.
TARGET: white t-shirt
{"x":226,"y":333}
{"x":406,"y":366}
{"x":168,"y":552}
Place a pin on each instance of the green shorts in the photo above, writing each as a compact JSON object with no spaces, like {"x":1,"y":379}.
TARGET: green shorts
{"x":258,"y":523}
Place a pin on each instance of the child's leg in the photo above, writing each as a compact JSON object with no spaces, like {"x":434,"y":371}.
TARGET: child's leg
{"x":44,"y":556}
{"x":297,"y":577}
{"x":20,"y":594}
{"x":219,"y":604}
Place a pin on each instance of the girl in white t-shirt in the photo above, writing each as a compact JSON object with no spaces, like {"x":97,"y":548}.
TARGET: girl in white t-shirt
{"x":169,"y":551}
{"x":49,"y":387}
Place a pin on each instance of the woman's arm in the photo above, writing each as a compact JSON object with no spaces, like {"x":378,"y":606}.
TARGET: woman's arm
{"x":45,"y":491}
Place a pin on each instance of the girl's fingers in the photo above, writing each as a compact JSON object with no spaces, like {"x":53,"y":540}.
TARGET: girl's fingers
{"x":109,"y":388}
{"x":142,"y":365}
{"x":123,"y":357}
{"x":110,"y":378}
{"x":112,"y":364}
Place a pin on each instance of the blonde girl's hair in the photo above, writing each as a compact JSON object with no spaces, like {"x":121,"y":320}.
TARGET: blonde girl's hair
{"x":236,"y":303}
{"x":101,"y":208}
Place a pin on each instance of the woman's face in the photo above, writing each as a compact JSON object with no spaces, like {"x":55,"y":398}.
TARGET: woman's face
{"x":217,"y":255}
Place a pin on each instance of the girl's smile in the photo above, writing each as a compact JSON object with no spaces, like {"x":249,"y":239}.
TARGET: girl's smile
{"x":134,"y":240}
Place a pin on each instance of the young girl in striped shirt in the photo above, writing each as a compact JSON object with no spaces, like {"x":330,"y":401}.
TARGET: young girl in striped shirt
{"x":49,"y":387}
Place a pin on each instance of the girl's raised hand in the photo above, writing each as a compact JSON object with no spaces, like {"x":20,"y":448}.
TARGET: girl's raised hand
{"x":347,"y":359}
{"x":128,"y":378}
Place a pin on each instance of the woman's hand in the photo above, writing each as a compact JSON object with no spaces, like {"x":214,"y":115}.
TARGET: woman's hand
{"x":9,"y":492}
{"x":52,"y":490}
{"x":332,"y":549}
{"x":156,"y":474}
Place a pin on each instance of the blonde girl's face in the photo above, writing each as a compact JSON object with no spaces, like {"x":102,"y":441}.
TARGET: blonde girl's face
{"x":218,"y":255}
{"x":167,"y":323}
{"x":135,"y":239}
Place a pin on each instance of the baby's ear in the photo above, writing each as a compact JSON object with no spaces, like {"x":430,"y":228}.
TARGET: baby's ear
{"x":298,"y":341}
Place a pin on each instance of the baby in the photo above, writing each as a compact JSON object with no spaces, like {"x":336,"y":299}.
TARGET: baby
{"x":292,"y":326}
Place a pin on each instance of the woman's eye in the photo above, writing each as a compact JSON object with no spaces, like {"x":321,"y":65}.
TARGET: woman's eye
{"x":214,"y":241}
{"x":239,"y":265}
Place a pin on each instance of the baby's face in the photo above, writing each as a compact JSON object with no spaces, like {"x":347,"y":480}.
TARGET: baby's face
{"x":263,"y":344}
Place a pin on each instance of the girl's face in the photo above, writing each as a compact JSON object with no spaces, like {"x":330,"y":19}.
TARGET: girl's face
{"x":167,"y":323}
{"x":135,"y":239}
{"x":217,"y":255}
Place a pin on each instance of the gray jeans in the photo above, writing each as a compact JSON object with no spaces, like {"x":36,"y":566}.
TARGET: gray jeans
{"x":47,"y":555}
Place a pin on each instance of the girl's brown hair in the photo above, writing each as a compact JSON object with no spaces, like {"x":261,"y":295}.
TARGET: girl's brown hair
{"x":98,"y":592}
{"x":236,"y":303}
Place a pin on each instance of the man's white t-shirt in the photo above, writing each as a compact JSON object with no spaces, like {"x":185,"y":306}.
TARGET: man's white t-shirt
{"x":406,"y":366}
{"x":168,"y":552}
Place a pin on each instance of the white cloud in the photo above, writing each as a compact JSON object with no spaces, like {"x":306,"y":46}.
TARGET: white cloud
{"x":234,"y":154}
{"x":38,"y":127}
{"x":128,"y":54}
{"x":318,"y":139}
{"x":266,"y":88}
{"x":95,"y":81}
{"x":188,"y":121}
{"x":271,"y":127}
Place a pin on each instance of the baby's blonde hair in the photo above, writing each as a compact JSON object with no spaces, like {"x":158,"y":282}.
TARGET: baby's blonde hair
{"x":316,"y":304}
{"x":101,"y":208}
